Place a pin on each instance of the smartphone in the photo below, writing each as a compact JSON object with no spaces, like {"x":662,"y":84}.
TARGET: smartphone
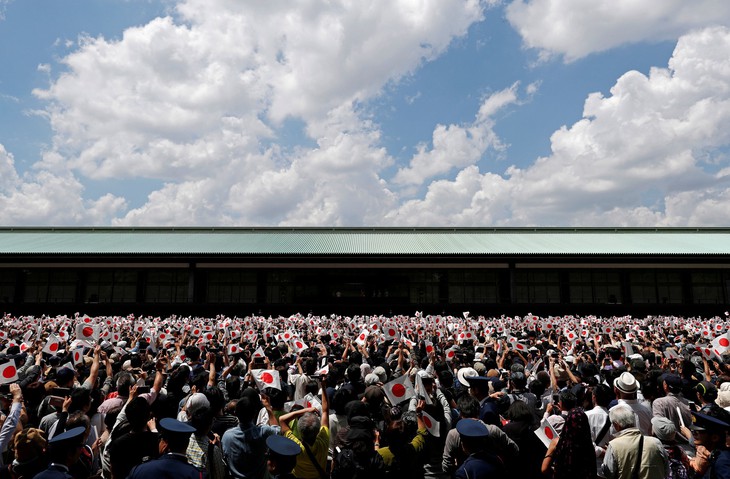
{"x":143,"y":389}
{"x":55,"y":401}
{"x":60,"y":392}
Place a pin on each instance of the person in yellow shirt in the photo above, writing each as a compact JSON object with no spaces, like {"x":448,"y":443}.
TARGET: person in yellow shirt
{"x":313,"y":436}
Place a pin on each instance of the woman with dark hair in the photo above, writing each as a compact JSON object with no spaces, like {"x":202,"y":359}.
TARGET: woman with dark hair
{"x":520,"y":429}
{"x":572,"y":454}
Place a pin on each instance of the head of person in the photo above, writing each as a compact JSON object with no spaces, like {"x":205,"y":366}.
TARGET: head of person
{"x":567,"y":400}
{"x":125,"y":381}
{"x":622,"y":417}
{"x":473,"y":434}
{"x":663,"y":429}
{"x":65,"y":448}
{"x":138,"y":413}
{"x":625,"y":386}
{"x":468,"y":406}
{"x":602,"y":395}
{"x":30,"y":447}
{"x":174,"y":436}
{"x":309,"y":424}
{"x":282,"y":455}
{"x":710,"y":430}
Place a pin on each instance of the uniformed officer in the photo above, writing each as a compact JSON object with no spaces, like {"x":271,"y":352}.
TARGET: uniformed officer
{"x":480,"y":463}
{"x":710,"y":431}
{"x":63,"y":451}
{"x":173,"y":462}
{"x":282,"y":456}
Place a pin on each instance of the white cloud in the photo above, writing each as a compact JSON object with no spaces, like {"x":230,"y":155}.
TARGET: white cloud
{"x":44,"y":198}
{"x":576,"y":28}
{"x":197,"y":99}
{"x":637,"y":157}
{"x":455,"y":146}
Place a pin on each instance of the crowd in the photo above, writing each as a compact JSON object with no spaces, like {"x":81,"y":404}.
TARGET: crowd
{"x":316,"y":397}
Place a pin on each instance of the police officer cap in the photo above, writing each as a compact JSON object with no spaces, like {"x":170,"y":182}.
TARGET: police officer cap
{"x":478,"y":381}
{"x":283,"y":446}
{"x":72,"y":437}
{"x":703,"y":422}
{"x":170,"y":427}
{"x":472,"y":428}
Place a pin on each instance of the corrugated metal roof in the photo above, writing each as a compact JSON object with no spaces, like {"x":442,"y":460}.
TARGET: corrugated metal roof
{"x":365,"y":241}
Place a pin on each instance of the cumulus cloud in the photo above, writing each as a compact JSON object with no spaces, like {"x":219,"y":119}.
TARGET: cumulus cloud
{"x":653,"y":136}
{"x":576,"y":28}
{"x":45,"y":198}
{"x":198,"y":99}
{"x":456,"y":146}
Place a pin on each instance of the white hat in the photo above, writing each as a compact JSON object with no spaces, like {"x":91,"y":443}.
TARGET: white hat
{"x":626,"y":383}
{"x":464,"y":373}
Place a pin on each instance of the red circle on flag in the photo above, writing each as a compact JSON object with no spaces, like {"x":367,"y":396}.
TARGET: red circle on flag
{"x":209,"y":336}
{"x":77,"y":356}
{"x":87,"y":320}
{"x":429,"y":349}
{"x":53,"y":346}
{"x":427,"y":422}
{"x":398,"y":390}
{"x":87,"y":332}
{"x":299,"y":344}
{"x":451,"y":354}
{"x":196,"y":332}
{"x":549,"y":433}
{"x":724,"y":342}
{"x":234,"y":349}
{"x":375,"y":327}
{"x":549,"y":326}
{"x":267,"y":378}
{"x":705,"y":332}
{"x":391,"y":332}
{"x":9,"y":372}
{"x":362,"y":337}
{"x":287,"y":336}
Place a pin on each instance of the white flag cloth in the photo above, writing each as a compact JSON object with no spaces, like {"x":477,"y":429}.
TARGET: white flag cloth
{"x":8,"y":372}
{"x":87,"y":332}
{"x":233,"y":349}
{"x":431,"y":424}
{"x":53,"y":344}
{"x":77,"y":355}
{"x":451,"y":353}
{"x":363,"y":337}
{"x":399,"y":390}
{"x":259,"y":353}
{"x":266,"y":378}
{"x":299,"y":345}
{"x":721,"y":344}
{"x":390,"y":332}
{"x":429,"y":347}
{"x":546,"y":432}
{"x":421,"y":389}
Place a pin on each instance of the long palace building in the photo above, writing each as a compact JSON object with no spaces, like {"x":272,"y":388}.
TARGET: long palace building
{"x":490,"y":271}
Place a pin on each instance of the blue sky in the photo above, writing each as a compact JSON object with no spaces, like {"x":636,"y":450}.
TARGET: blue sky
{"x":392,"y":113}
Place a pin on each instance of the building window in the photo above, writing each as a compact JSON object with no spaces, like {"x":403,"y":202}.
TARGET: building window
{"x":537,"y":286}
{"x":472,"y":286}
{"x":232,"y":286}
{"x":111,"y":286}
{"x":652,"y":286}
{"x":167,"y":286}
{"x":707,"y":287}
{"x":594,"y":287}
{"x":50,"y":286}
{"x":424,"y":287}
{"x":8,"y":280}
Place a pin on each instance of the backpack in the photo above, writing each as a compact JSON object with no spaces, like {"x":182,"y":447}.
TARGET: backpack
{"x":348,"y":465}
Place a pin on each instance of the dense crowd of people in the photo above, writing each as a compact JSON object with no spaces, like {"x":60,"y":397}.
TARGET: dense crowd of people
{"x":319,"y":397}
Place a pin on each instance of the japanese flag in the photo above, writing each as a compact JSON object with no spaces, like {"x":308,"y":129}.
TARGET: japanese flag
{"x":546,"y":432}
{"x":287,"y":336}
{"x":195,"y":332}
{"x":408,"y":342}
{"x":519,"y":347}
{"x":708,"y":353}
{"x":719,"y":327}
{"x":63,"y":334}
{"x":607,"y":329}
{"x":8,"y":372}
{"x":431,"y":424}
{"x":234,"y":334}
{"x":363,"y":337}
{"x":429,"y":347}
{"x":336,"y":335}
{"x":572,"y":337}
{"x":299,"y":345}
{"x":399,"y":390}
{"x":24,"y":347}
{"x":259,"y":353}
{"x":390,"y":332}
{"x":721,"y":343}
{"x":53,"y":344}
{"x":451,"y":353}
{"x":311,"y":401}
{"x":671,"y":354}
{"x":266,"y":378}
{"x":324,"y":371}
{"x":233,"y":349}
{"x":87,"y":332}
{"x":77,"y":355}
{"x":547,"y":325}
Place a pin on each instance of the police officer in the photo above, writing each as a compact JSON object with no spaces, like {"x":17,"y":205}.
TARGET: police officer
{"x":480,"y":463}
{"x":63,"y":451}
{"x":710,"y":430}
{"x":282,"y":456}
{"x":173,"y":462}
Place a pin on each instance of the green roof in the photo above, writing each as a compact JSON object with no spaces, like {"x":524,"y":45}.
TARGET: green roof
{"x":365,"y":241}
